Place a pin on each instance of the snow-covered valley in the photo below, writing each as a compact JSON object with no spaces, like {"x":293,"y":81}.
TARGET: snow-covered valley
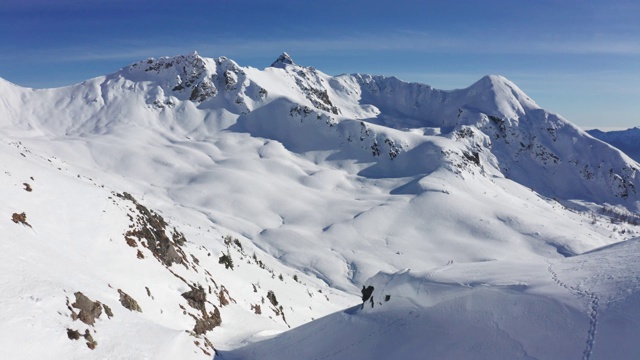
{"x":234,"y":204}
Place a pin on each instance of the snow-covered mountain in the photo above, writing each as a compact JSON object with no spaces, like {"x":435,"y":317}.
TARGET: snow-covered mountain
{"x":152,"y":181}
{"x":625,"y":140}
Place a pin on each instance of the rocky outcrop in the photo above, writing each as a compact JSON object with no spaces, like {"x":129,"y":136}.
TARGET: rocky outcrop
{"x":89,"y":310}
{"x":128,"y":302}
{"x":20,"y":219}
{"x":206,"y":320}
{"x":189,"y":74}
{"x":282,"y":61}
{"x":150,"y":229}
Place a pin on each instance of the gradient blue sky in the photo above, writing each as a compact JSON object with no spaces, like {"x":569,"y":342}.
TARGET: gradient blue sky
{"x":579,"y":58}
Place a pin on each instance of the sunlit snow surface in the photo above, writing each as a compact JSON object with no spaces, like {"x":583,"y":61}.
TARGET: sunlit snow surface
{"x":580,"y":307}
{"x":478,"y":191}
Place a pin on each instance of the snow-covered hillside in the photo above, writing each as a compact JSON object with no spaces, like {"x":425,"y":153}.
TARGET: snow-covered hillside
{"x":579,"y":307}
{"x":328,"y":180}
{"x":86,"y":265}
{"x":625,"y":140}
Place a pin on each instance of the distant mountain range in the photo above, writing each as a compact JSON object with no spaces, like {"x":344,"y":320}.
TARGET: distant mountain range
{"x":205,"y":206}
{"x":625,"y":140}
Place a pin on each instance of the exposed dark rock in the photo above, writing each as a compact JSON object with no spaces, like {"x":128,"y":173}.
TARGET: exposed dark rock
{"x":131,"y":241}
{"x":27,"y":187}
{"x":91,"y":343}
{"x":203,"y":91}
{"x":207,"y":322}
{"x":230,"y":80}
{"x":107,"y":310}
{"x":20,"y":219}
{"x":272,"y":298}
{"x":89,"y":310}
{"x":151,"y":227}
{"x":283,"y":60}
{"x":256,"y":309}
{"x":192,"y":75}
{"x":223,"y":296}
{"x":178,"y":237}
{"x":196,"y":298}
{"x":129,"y":302}
{"x":226,"y":260}
{"x":237,"y":243}
{"x":73,"y":334}
{"x":473,"y":156}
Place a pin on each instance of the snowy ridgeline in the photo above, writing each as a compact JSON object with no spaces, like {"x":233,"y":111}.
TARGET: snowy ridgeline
{"x":231,"y":204}
{"x":493,"y":310}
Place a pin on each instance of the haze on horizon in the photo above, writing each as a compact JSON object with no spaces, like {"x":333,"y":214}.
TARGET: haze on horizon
{"x":576,"y":58}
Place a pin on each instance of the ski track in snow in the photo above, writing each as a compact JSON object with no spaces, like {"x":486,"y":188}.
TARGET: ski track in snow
{"x":592,"y":311}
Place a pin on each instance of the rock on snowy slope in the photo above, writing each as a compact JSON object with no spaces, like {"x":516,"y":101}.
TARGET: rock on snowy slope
{"x":625,"y":140}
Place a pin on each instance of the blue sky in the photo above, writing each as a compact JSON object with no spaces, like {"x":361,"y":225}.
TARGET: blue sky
{"x":579,"y":58}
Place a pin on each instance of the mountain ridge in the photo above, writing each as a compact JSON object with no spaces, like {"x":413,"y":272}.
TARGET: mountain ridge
{"x":331,"y":179}
{"x":625,"y":140}
{"x":493,"y":105}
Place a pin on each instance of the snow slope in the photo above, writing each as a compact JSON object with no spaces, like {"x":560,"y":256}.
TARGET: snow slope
{"x":81,"y":236}
{"x":330,"y":179}
{"x":579,"y":307}
{"x":625,"y":140}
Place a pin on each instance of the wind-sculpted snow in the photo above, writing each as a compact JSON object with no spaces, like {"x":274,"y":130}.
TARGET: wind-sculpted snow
{"x":580,"y":307}
{"x":329,"y":180}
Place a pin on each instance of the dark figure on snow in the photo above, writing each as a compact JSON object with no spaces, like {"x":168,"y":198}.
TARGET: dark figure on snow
{"x":366,"y":294}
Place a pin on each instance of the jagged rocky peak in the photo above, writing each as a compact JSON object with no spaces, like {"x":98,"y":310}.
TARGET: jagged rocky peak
{"x":283,"y":60}
{"x":166,"y":62}
{"x":185,"y":76}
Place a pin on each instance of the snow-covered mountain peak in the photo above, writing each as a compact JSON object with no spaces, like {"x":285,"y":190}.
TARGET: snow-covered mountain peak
{"x":178,"y":74}
{"x":505,"y":98}
{"x":184,"y":77}
{"x":283,"y":60}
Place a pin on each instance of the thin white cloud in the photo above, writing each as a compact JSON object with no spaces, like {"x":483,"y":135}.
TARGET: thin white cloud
{"x":402,"y":41}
